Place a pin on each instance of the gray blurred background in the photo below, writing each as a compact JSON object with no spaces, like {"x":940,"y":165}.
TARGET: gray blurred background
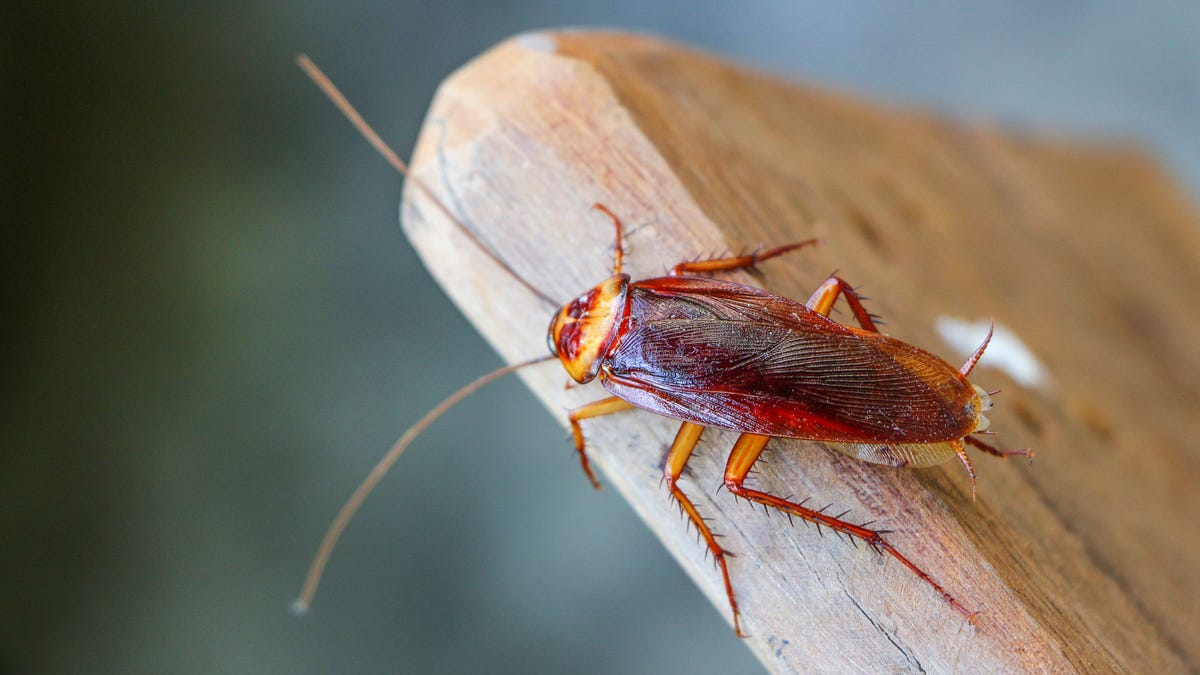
{"x":214,"y":327}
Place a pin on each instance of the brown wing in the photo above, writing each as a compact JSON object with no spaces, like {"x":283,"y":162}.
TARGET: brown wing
{"x":730,"y":356}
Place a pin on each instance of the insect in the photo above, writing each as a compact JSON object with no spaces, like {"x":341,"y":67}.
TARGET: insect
{"x":714,"y":353}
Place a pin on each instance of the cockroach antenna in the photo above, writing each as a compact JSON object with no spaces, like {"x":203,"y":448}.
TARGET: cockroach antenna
{"x":317,"y":567}
{"x":343,"y":104}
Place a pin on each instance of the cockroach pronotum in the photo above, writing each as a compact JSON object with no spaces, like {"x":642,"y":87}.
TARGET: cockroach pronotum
{"x":713,"y":353}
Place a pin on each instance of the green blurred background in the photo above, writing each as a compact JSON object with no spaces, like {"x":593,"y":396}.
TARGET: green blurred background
{"x":215,"y":326}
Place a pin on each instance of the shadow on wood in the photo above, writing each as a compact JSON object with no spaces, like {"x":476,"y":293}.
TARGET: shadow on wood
{"x":1088,"y":255}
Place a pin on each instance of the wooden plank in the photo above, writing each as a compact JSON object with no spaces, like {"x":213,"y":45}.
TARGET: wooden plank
{"x":1087,"y":255}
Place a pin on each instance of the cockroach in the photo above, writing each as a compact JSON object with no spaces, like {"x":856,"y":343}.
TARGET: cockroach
{"x":713,"y":353}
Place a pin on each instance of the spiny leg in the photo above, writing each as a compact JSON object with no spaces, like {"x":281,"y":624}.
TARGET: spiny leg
{"x":962,"y":455}
{"x":736,"y":262}
{"x":743,"y":456}
{"x":993,"y":450}
{"x":966,"y":461}
{"x":822,"y":299}
{"x":677,"y":458}
{"x":605,"y":406}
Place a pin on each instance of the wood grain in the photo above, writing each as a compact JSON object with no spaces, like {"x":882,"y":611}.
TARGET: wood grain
{"x":1085,"y":560}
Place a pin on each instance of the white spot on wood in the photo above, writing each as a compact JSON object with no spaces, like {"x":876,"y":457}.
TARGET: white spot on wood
{"x":538,"y":41}
{"x":1006,"y":351}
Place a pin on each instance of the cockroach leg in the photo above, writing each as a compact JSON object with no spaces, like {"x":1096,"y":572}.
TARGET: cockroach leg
{"x":743,"y":456}
{"x":605,"y":406}
{"x":677,"y":458}
{"x":993,"y":450}
{"x":962,"y":456}
{"x":827,"y":293}
{"x":736,"y":262}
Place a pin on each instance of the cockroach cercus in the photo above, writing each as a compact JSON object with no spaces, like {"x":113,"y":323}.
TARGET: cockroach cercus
{"x":713,"y":353}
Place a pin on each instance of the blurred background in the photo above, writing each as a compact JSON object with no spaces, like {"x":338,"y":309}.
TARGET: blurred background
{"x":215,"y":326}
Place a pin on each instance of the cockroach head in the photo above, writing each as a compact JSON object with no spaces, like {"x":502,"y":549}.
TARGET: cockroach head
{"x":581,"y":332}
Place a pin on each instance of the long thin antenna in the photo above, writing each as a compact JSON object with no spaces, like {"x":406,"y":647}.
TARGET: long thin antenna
{"x":317,"y":567}
{"x":326,"y":85}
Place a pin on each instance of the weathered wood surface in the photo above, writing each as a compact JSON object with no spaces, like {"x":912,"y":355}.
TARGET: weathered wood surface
{"x":1086,"y":560}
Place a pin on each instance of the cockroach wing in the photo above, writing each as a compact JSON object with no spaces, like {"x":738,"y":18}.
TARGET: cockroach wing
{"x":730,"y":356}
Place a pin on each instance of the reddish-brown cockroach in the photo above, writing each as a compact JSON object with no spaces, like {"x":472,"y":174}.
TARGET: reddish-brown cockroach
{"x":714,"y":353}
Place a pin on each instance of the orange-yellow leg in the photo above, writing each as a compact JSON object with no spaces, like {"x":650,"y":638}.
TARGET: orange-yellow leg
{"x":827,"y":293}
{"x":993,"y":450}
{"x":677,"y":457}
{"x":736,"y":262}
{"x":966,"y":461}
{"x":605,"y":406}
{"x":746,"y":452}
